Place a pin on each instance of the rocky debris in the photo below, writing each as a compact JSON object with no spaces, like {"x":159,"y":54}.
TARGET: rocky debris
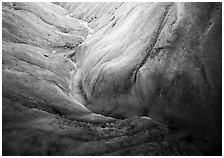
{"x":29,"y":131}
{"x":51,"y":88}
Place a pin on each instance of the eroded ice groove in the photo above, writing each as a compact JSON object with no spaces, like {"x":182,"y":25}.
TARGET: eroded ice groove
{"x":74,"y":85}
{"x":46,"y":109}
{"x":75,"y":82}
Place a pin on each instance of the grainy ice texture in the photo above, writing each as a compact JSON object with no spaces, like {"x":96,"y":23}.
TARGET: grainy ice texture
{"x":111,"y":78}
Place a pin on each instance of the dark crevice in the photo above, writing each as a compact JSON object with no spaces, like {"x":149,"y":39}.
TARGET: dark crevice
{"x":149,"y":50}
{"x":82,"y":91}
